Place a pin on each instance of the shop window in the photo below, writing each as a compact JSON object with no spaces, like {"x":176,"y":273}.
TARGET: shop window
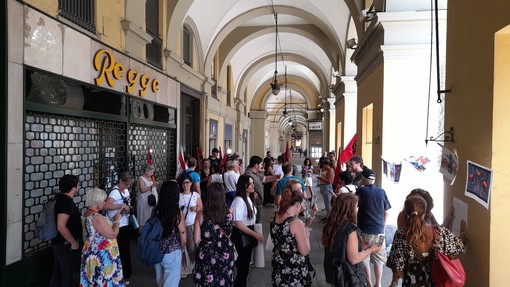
{"x":213,"y":133}
{"x":186,"y":46}
{"x":228,"y":137}
{"x":153,"y":49}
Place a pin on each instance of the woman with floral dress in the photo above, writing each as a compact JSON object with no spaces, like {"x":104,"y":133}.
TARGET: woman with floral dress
{"x":291,"y":242}
{"x":214,"y":262}
{"x":414,"y":245}
{"x":100,"y":263}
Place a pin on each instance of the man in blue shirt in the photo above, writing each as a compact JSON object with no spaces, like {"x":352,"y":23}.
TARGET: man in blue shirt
{"x":280,"y":186}
{"x":192,"y":163}
{"x":373,"y":208}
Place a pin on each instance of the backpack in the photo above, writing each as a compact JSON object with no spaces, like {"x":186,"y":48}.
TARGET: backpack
{"x":148,"y":244}
{"x":46,"y":225}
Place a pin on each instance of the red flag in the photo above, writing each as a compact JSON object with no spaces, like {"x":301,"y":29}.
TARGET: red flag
{"x":349,"y":150}
{"x":224,"y":158}
{"x":338,"y":170}
{"x":181,"y":159}
{"x":200,"y":155}
{"x":287,"y":153}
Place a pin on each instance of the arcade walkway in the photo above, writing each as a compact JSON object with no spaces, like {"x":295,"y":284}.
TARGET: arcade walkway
{"x":145,"y":276}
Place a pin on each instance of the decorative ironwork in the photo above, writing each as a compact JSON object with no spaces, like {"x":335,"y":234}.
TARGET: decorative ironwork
{"x":446,"y":136}
{"x":79,"y":12}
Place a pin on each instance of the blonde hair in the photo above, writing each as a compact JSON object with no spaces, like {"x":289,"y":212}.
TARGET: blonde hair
{"x":95,"y":196}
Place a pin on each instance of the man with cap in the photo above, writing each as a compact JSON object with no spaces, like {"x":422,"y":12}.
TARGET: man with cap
{"x":373,"y":208}
{"x":214,"y":158}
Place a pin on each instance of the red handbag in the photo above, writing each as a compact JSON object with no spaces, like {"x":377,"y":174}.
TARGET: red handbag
{"x":447,"y":272}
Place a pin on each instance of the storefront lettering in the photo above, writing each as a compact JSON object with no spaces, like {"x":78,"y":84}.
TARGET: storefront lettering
{"x":110,"y":71}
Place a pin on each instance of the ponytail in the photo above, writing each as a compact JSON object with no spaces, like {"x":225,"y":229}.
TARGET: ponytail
{"x":415,"y":207}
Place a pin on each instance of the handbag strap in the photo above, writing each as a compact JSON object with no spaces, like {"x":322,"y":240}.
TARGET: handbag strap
{"x":187,"y":208}
{"x":124,"y":199}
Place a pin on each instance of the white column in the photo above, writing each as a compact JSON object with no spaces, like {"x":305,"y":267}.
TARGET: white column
{"x":331,"y":123}
{"x":351,"y":105}
{"x":256,"y":133}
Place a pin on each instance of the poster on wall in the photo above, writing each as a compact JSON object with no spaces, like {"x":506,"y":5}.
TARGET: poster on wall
{"x":392,"y":171}
{"x":459,"y":216}
{"x":449,"y":164}
{"x":478,"y":183}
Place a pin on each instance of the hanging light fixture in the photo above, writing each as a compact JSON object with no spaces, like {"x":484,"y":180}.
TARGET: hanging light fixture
{"x":285,"y":112}
{"x":275,"y":86}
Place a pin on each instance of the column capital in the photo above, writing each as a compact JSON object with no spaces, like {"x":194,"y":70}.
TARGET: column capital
{"x":258,"y":115}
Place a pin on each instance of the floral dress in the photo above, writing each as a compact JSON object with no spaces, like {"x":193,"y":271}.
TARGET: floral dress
{"x":100,"y":261}
{"x":289,"y":266}
{"x":415,"y":267}
{"x":214,"y":262}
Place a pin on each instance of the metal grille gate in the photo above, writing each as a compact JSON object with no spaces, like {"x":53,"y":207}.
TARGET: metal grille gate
{"x":94,"y":150}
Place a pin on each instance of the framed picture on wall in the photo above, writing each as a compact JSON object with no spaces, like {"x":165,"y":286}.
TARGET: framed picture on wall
{"x":478,"y":183}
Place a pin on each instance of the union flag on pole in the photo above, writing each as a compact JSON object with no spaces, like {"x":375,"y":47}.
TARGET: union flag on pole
{"x":349,"y":150}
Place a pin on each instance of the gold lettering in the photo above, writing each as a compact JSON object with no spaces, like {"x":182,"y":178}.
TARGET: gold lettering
{"x":118,"y":72}
{"x":132,"y":75}
{"x":155,"y":86}
{"x":104,"y":65}
{"x":109,"y":71}
{"x":144,"y":83}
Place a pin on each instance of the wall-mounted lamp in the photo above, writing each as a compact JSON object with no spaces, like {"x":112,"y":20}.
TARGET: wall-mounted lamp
{"x":368,"y":16}
{"x":351,"y":43}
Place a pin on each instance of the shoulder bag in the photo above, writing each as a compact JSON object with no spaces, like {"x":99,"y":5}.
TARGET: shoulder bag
{"x":346,"y":274}
{"x":446,"y":271}
{"x":248,"y":241}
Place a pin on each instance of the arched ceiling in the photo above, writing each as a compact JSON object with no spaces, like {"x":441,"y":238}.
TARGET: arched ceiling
{"x":242,"y":34}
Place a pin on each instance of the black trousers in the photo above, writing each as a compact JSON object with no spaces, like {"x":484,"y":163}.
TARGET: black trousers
{"x":66,"y":266}
{"x":123,"y":240}
{"x":243,"y":260}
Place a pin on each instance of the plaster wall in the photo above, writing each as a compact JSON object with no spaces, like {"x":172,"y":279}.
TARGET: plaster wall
{"x":47,"y":6}
{"x":500,"y":197}
{"x":479,"y":131}
{"x":370,"y":91}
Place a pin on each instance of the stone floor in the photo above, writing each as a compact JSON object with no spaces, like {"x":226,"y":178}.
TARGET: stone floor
{"x":145,"y":276}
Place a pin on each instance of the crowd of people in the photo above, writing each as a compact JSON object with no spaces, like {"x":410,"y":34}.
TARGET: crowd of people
{"x":208,"y":213}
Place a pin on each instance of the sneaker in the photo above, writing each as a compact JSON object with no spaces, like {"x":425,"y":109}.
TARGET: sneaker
{"x":126,"y":282}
